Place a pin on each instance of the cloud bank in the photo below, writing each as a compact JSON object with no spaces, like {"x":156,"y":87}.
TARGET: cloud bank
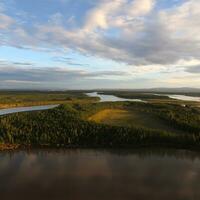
{"x":138,"y":33}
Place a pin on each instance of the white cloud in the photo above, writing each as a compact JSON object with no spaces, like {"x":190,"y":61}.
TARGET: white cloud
{"x":5,"y":21}
{"x":140,"y":7}
{"x":165,"y":38}
{"x":183,"y":81}
{"x":25,"y":71}
{"x":183,"y":21}
{"x":128,"y":31}
{"x":117,"y":13}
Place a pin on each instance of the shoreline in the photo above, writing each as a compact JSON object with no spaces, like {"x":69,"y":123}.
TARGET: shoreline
{"x":9,"y":147}
{"x":18,"y":105}
{"x":16,"y":147}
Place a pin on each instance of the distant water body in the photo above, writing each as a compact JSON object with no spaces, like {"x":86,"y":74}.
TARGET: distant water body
{"x":110,"y":98}
{"x":181,"y":97}
{"x":185,"y":98}
{"x":25,"y":109}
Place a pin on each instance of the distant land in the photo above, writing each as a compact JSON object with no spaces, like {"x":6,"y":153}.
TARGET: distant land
{"x":157,"y":90}
{"x":162,"y":90}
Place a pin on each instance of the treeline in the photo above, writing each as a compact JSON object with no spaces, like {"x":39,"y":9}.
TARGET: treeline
{"x":183,"y":118}
{"x":33,"y":97}
{"x":64,"y":127}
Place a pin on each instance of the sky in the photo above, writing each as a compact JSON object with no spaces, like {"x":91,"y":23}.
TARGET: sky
{"x":92,"y":44}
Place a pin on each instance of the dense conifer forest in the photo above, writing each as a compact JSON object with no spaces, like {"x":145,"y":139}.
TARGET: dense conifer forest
{"x":68,"y":126}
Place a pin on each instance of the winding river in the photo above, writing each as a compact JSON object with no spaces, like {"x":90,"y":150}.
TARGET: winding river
{"x":103,"y":98}
{"x":107,"y":98}
{"x":26,"y":109}
{"x":184,"y":98}
{"x":110,"y":98}
{"x":180,"y":97}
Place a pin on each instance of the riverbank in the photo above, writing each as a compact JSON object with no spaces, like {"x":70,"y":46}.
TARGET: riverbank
{"x":18,"y":147}
{"x":160,"y":98}
{"x":6,"y":147}
{"x":28,"y":104}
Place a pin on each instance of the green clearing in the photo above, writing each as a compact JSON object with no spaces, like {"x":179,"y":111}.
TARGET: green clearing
{"x":131,"y":117}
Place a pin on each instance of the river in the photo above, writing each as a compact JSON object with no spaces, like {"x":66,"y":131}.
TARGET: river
{"x":25,"y":109}
{"x":106,"y":98}
{"x":100,"y":174}
{"x":110,"y":98}
{"x":184,"y":98}
{"x":103,"y":98}
{"x":180,"y":97}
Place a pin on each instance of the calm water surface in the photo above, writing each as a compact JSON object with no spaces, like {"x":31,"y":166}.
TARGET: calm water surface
{"x":100,"y":174}
{"x":25,"y":109}
{"x":181,"y":97}
{"x":184,"y":98}
{"x":106,"y":98}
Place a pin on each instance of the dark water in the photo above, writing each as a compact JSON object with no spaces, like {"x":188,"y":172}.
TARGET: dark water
{"x":100,"y":174}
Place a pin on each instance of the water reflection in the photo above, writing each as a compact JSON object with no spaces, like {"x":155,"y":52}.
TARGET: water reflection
{"x":91,"y":174}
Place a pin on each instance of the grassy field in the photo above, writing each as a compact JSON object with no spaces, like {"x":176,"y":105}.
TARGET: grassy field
{"x":131,"y":117}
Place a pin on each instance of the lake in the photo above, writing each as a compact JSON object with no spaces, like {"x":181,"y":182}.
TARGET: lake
{"x":100,"y":174}
{"x":25,"y":109}
{"x":108,"y":98}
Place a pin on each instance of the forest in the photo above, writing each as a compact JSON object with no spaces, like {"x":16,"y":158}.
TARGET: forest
{"x":68,"y":126}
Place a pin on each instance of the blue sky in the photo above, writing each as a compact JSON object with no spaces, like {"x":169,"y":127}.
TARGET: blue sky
{"x":84,"y":44}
